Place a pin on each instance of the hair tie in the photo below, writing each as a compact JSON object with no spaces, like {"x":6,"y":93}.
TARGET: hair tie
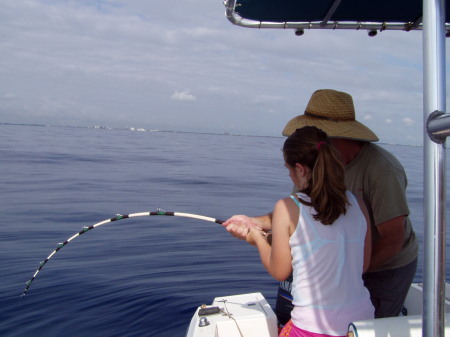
{"x":319,"y":144}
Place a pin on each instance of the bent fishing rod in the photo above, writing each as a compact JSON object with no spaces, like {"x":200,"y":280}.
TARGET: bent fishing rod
{"x":116,"y":218}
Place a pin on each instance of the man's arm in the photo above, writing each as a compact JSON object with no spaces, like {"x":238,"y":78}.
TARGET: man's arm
{"x":264,"y":221}
{"x":389,"y":242}
{"x":368,"y":237}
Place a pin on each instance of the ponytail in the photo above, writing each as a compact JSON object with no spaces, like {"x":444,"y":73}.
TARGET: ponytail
{"x":311,"y":147}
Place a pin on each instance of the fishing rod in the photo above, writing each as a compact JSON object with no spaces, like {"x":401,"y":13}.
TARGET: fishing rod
{"x":116,"y":218}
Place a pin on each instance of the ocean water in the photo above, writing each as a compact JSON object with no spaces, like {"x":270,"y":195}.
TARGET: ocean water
{"x":143,"y":276}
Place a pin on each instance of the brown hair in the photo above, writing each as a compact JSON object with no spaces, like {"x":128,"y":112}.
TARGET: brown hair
{"x":311,"y":147}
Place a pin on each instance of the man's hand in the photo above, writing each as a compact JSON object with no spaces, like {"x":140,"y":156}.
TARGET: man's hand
{"x":255,"y":234}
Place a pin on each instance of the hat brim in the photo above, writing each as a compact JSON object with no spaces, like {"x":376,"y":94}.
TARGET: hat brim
{"x":334,"y":129}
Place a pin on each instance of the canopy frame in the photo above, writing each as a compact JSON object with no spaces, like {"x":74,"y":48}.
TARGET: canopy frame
{"x":326,"y":23}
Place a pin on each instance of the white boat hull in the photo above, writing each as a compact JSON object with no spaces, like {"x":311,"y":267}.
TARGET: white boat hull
{"x":246,"y":315}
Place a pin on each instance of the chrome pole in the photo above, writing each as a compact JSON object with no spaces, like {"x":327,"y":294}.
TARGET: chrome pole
{"x":434,"y":170}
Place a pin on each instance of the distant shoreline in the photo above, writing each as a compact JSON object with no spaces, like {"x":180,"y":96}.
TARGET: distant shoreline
{"x":101,"y":127}
{"x":98,"y":127}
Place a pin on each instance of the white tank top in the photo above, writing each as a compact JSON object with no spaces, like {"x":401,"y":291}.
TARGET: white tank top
{"x":327,"y":289}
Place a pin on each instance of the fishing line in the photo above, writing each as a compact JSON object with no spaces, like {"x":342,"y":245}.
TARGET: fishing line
{"x":116,"y":218}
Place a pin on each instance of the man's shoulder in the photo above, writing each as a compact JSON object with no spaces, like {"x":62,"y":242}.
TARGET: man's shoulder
{"x":379,"y":158}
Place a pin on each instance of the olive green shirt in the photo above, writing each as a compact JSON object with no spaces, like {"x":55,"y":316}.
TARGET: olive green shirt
{"x":377,"y":177}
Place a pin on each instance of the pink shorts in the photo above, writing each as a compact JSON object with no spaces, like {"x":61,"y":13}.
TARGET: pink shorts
{"x":290,"y":330}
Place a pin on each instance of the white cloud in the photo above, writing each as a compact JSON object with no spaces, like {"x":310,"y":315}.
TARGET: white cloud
{"x":9,"y":96}
{"x":408,"y":121}
{"x":263,"y":99}
{"x":184,"y":95}
{"x":388,"y":121}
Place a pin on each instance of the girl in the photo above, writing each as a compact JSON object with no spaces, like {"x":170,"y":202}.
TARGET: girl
{"x":319,"y":234}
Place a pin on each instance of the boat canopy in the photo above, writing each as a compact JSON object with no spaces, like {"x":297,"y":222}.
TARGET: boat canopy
{"x":330,"y":14}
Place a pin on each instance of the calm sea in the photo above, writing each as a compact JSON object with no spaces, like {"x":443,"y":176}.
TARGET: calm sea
{"x":143,"y":276}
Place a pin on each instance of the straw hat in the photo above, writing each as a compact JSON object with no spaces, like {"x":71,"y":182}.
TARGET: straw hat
{"x":333,"y":112}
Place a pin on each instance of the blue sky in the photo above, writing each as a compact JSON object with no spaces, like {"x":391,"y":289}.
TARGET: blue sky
{"x":180,"y":65}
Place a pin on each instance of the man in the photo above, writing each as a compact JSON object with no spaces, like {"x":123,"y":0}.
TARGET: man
{"x":376,"y":177}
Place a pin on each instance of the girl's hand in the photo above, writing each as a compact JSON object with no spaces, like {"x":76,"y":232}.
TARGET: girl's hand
{"x":239,"y":226}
